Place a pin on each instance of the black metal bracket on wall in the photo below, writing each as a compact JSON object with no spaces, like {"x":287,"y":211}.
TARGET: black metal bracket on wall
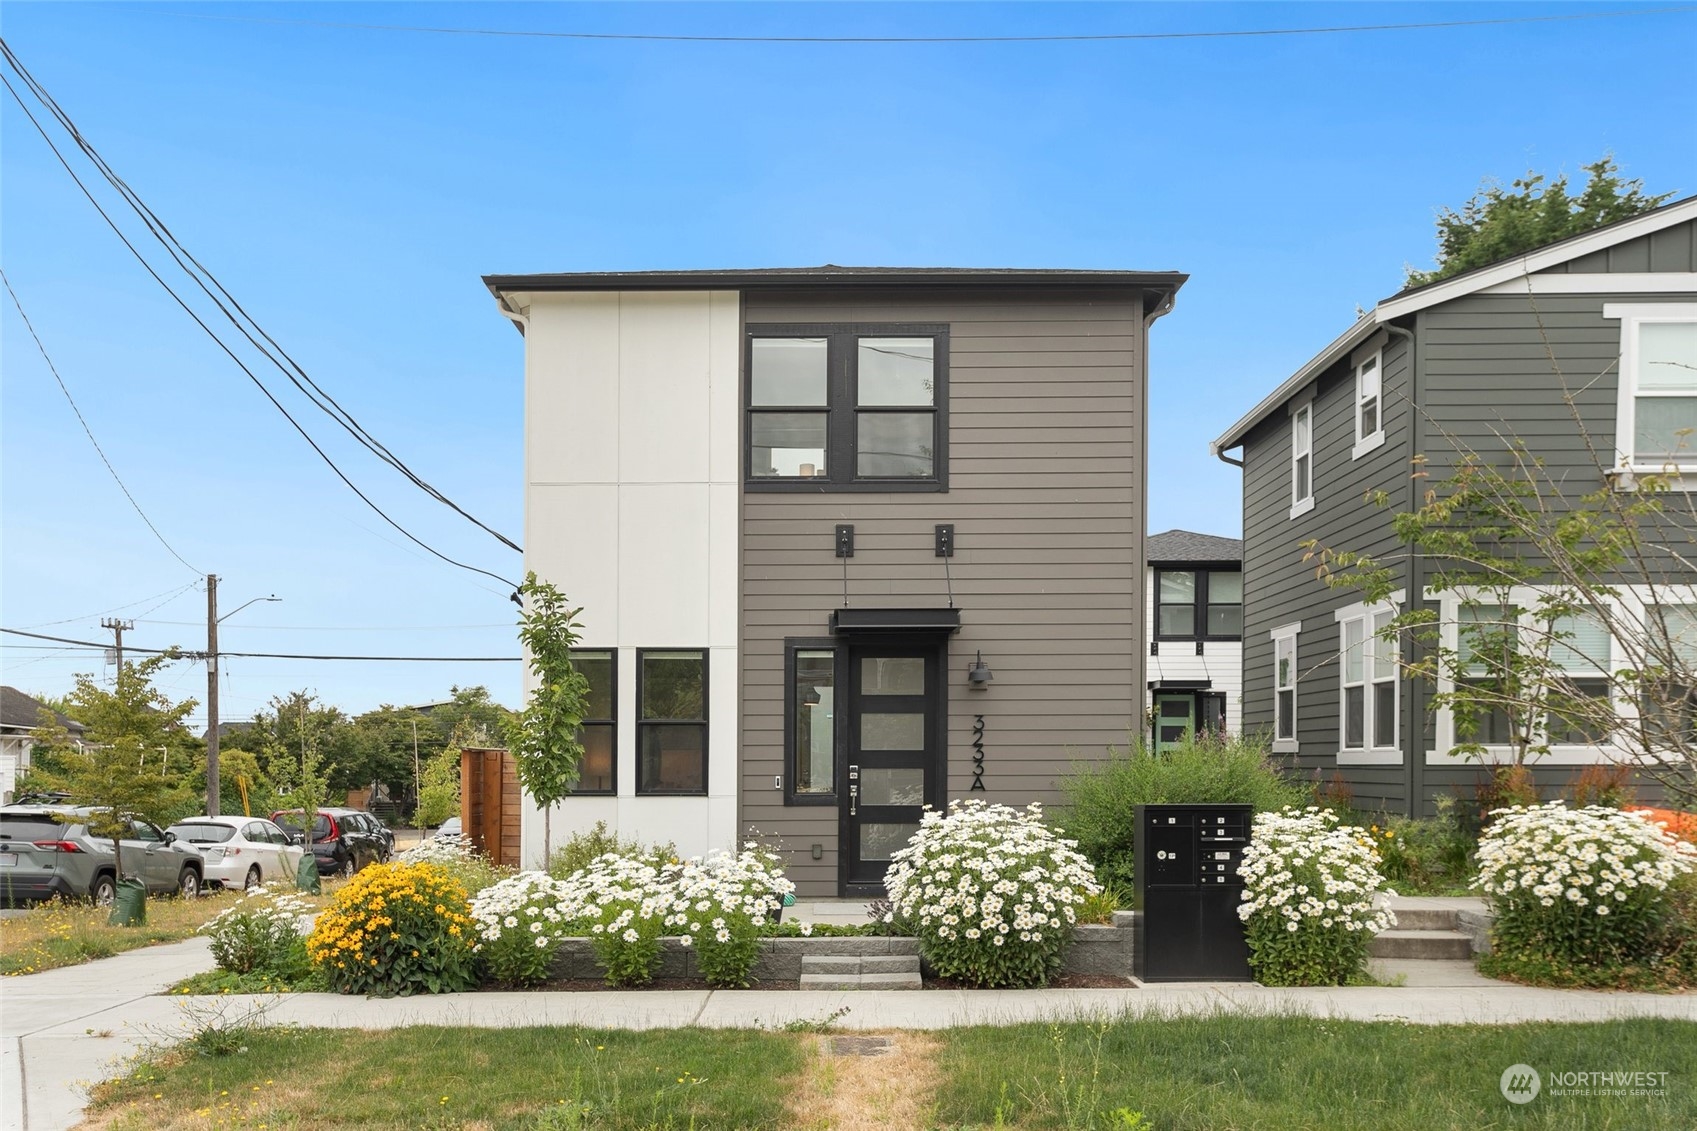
{"x":945,"y":539}
{"x":845,"y":540}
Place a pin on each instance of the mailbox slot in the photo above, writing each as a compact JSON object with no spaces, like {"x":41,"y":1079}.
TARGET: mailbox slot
{"x":1188,"y":859}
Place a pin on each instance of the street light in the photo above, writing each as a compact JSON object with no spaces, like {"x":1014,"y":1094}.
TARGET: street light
{"x":213,"y":620}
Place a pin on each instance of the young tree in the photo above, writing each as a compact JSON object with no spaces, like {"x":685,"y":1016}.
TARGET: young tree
{"x":439,"y":788}
{"x":124,"y":765}
{"x":546,"y":737}
{"x":1499,"y":223}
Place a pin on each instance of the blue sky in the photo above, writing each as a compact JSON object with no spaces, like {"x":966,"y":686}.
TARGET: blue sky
{"x":349,"y":186}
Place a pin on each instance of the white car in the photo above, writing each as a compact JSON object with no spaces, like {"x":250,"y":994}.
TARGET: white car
{"x":241,"y":851}
{"x":450,"y":827}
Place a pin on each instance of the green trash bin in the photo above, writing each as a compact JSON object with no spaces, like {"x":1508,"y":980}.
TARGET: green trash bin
{"x":306,"y":876}
{"x":129,"y":905}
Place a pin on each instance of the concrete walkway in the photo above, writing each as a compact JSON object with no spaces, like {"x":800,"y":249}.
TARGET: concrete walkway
{"x":66,"y":1028}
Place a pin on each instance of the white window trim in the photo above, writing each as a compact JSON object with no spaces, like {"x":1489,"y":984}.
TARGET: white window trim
{"x":1280,"y":635}
{"x":1368,"y":754}
{"x":1301,"y":506}
{"x":1375,"y":438}
{"x":1635,"y":597}
{"x":1631,"y":316}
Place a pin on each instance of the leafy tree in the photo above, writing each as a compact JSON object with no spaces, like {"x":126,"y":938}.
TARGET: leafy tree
{"x":546,"y":737}
{"x":134,"y":758}
{"x":439,"y":786}
{"x":1497,"y":223}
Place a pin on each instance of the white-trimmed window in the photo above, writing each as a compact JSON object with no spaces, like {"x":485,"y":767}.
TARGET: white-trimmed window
{"x":1480,"y":631}
{"x":1368,"y":717}
{"x":1580,"y":651}
{"x":1284,"y":688}
{"x":1656,"y":412}
{"x":1302,"y":459}
{"x":1369,"y":405}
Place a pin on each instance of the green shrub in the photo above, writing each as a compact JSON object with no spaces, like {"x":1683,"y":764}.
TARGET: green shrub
{"x":261,"y":934}
{"x":458,"y":856}
{"x":1100,"y":812}
{"x":584,"y":848}
{"x":396,"y":929}
{"x":1426,"y":855}
{"x":721,"y":903}
{"x":520,"y":924}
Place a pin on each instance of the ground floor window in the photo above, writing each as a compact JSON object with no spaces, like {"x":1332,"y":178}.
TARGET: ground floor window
{"x":810,"y":713}
{"x":598,"y":772}
{"x":671,"y":722}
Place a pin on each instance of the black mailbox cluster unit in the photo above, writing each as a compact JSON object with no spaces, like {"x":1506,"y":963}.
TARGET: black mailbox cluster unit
{"x":1189,"y":889}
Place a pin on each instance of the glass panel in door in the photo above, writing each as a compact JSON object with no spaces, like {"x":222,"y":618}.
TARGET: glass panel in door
{"x":894,"y":756}
{"x":1175,"y":720}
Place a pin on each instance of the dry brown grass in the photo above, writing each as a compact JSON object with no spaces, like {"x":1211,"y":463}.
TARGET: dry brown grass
{"x":59,"y":934}
{"x":893,"y":1091}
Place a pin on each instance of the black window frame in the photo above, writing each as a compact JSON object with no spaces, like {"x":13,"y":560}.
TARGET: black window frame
{"x":792,"y":645}
{"x":1199,"y":607}
{"x":842,"y":407}
{"x":611,"y":724}
{"x":702,"y":722}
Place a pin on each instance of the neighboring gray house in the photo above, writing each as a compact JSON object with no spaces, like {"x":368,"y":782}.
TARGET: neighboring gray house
{"x":848,"y":541}
{"x":1611,"y":314}
{"x":1195,"y":616}
{"x":20,"y":714}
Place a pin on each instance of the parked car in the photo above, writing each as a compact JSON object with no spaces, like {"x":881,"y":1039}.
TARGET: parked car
{"x":240,"y":851}
{"x":450,"y":827}
{"x":343,"y":840}
{"x":47,"y":851}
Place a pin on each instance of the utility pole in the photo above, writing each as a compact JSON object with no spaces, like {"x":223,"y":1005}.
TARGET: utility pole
{"x":118,"y":628}
{"x":212,"y":808}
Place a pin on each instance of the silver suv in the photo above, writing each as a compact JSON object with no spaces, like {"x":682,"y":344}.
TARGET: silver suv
{"x":42,"y":856}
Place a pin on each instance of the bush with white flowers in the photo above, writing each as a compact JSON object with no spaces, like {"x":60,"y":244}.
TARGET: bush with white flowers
{"x":262,"y":932}
{"x":1580,"y":887}
{"x":451,"y":849}
{"x":720,"y":903}
{"x":519,"y":923}
{"x":623,"y":903}
{"x":991,"y":893}
{"x":1311,"y":898}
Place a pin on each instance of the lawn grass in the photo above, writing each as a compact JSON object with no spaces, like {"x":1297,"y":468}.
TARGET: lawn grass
{"x":1289,"y":1073}
{"x":58,"y":933}
{"x":435,"y":1078}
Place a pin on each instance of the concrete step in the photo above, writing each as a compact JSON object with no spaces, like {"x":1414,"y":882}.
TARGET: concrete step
{"x":830,"y":982}
{"x":890,"y":964}
{"x":833,"y":964}
{"x":893,"y":980}
{"x":1426,"y":919}
{"x":1401,"y":943}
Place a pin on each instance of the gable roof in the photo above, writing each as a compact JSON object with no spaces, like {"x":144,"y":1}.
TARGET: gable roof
{"x":1187,"y":546}
{"x":20,"y":712}
{"x":1413,"y":299}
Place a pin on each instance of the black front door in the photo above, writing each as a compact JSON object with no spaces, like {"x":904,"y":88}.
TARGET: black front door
{"x":893,"y":756}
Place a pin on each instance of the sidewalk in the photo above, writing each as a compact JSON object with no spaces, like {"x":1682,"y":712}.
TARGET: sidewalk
{"x":67,"y":1027}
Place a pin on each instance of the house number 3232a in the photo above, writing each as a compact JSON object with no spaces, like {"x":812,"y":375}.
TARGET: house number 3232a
{"x":977,"y":752}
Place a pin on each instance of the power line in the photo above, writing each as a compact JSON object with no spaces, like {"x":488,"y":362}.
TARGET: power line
{"x":169,"y":595}
{"x":89,"y":432}
{"x":201,"y":276}
{"x":325,"y":627}
{"x":227,"y":350}
{"x":188,"y":655}
{"x":894,"y":39}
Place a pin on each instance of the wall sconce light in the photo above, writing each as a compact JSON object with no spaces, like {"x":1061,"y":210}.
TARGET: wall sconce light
{"x":810,"y":697}
{"x":979,"y":673}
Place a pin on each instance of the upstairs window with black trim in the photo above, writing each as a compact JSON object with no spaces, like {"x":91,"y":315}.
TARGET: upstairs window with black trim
{"x":598,"y":772}
{"x":671,"y":722}
{"x":1199,"y":604}
{"x":847,"y":407}
{"x":811,"y":710}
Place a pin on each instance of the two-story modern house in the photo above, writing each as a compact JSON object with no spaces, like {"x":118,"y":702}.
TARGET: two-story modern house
{"x":849,"y":541}
{"x":1606,"y":321}
{"x":1195,"y":614}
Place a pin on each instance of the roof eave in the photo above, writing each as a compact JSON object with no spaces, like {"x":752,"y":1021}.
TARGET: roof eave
{"x":1318,"y":364}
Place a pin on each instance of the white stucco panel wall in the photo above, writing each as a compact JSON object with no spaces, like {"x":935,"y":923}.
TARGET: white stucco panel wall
{"x":632,"y":409}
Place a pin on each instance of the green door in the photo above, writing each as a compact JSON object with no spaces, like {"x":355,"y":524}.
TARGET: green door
{"x":1175,"y":720}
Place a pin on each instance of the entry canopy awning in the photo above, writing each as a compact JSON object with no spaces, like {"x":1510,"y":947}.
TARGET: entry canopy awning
{"x":846,"y":622}
{"x":1180,"y":684}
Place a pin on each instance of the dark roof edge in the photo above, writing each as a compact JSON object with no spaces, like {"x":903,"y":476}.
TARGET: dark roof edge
{"x":807,"y":277}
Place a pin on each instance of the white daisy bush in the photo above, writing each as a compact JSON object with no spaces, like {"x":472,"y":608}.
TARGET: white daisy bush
{"x":1312,"y":898}
{"x":1583,"y":887}
{"x":262,"y":932}
{"x":452,"y":849}
{"x":623,"y":903}
{"x":720,"y":902}
{"x":991,"y":893}
{"x":520,"y":922}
